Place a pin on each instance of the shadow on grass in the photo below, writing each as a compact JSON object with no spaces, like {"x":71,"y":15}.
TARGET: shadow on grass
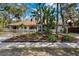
{"x":40,"y":52}
{"x":60,"y":51}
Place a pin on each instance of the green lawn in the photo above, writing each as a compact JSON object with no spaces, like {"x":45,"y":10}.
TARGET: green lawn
{"x":40,"y":52}
{"x":3,"y":34}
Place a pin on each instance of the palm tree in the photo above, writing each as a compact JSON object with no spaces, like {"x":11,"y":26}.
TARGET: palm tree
{"x":44,"y":14}
{"x":38,"y":15}
{"x":49,"y":18}
{"x":41,"y":15}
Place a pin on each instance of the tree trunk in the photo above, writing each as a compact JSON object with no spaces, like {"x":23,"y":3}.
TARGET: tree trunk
{"x":41,"y":18}
{"x":62,"y":16}
{"x":57,"y":19}
{"x":63,"y":22}
{"x":61,"y":13}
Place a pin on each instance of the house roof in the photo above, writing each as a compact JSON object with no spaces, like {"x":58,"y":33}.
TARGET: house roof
{"x":24,"y":22}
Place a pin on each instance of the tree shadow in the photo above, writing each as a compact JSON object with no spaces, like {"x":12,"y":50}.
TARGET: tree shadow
{"x":62,"y":51}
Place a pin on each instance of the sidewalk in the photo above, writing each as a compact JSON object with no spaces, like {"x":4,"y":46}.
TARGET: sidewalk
{"x":9,"y":45}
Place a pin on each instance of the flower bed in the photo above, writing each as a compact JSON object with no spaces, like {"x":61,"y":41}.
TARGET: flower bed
{"x":36,"y":37}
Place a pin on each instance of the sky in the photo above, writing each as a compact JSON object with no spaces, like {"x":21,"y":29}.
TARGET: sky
{"x":31,"y":7}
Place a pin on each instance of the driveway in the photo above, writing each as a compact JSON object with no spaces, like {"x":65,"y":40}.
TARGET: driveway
{"x":7,"y":35}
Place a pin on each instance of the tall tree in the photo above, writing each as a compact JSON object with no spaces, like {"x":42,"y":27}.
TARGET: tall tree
{"x":38,"y":14}
{"x":16,"y":11}
{"x":11,"y":11}
{"x":61,"y":13}
{"x":57,"y":18}
{"x":70,"y":12}
{"x":46,"y":16}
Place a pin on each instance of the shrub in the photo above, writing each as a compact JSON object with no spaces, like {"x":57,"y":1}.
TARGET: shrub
{"x":62,"y":30}
{"x":52,"y":38}
{"x":68,"y":38}
{"x":53,"y":24}
{"x":47,"y":30}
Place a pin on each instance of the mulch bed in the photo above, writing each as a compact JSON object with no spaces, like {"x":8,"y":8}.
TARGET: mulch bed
{"x":28,"y":38}
{"x":34,"y":38}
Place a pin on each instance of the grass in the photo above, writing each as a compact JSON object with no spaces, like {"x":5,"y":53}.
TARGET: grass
{"x":3,"y":34}
{"x":40,"y":52}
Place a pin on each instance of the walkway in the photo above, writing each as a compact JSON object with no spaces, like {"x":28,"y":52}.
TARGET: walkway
{"x":9,"y":45}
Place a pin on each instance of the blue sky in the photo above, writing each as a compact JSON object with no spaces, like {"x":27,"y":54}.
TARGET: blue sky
{"x":30,"y":7}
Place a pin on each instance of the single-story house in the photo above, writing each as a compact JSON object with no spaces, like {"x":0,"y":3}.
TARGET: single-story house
{"x":23,"y":25}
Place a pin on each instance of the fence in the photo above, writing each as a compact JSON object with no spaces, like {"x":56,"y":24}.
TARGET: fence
{"x":20,"y":30}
